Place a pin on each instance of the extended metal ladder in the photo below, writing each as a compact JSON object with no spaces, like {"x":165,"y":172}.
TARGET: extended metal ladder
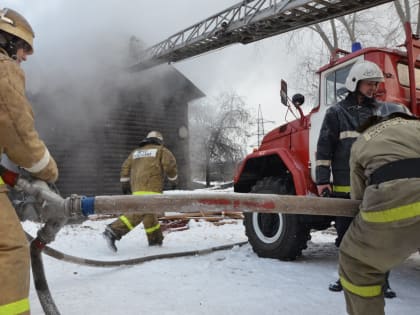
{"x":246,"y":22}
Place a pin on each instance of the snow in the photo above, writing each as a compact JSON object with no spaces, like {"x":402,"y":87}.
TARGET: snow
{"x":234,"y":281}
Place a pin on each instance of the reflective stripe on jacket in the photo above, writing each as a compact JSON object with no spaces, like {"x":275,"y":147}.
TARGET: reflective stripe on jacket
{"x":3,"y":186}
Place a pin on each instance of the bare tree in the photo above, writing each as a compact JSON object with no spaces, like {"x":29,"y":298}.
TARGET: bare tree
{"x":406,"y":9}
{"x":333,"y":36}
{"x":220,"y":128}
{"x":375,"y":27}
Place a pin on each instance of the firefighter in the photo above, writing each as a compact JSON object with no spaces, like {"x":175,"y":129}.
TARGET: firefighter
{"x":385,"y":175}
{"x":21,"y":143}
{"x":143,"y":173}
{"x":338,"y":133}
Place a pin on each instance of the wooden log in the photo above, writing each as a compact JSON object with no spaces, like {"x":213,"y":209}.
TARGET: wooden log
{"x":225,"y":202}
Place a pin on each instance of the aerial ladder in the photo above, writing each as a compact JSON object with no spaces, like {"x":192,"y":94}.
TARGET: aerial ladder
{"x":247,"y":22}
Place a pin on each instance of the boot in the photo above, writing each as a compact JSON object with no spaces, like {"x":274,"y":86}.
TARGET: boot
{"x":335,"y":286}
{"x":110,"y":238}
{"x":388,"y":292}
{"x":155,"y":238}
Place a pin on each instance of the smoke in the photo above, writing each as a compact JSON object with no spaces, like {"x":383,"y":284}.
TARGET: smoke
{"x":81,"y":39}
{"x":78,"y":70}
{"x":77,"y":79}
{"x":80,"y":54}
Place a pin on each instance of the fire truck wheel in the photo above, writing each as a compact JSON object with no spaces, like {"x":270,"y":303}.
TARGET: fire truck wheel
{"x":279,"y":236}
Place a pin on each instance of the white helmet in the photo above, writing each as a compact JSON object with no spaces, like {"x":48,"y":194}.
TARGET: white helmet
{"x":155,"y":134}
{"x":363,"y":70}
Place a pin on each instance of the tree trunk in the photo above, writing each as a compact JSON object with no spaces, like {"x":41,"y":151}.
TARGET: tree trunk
{"x":208,"y":174}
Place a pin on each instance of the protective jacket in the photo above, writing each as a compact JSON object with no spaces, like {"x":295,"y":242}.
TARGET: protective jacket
{"x":145,"y":169}
{"x":370,"y":152}
{"x":20,"y":141}
{"x":18,"y":137}
{"x":338,"y":132}
{"x":147,"y":166}
{"x":387,"y":229}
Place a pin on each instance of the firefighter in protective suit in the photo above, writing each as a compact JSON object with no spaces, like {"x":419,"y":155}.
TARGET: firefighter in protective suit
{"x":337,"y":135}
{"x":385,"y":175}
{"x":21,"y":143}
{"x":143,"y":173}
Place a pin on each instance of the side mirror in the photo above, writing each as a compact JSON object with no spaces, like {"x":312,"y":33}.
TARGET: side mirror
{"x":298,"y":99}
{"x":283,"y":92}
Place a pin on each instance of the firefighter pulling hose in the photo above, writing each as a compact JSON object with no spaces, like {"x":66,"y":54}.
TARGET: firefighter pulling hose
{"x":22,"y":144}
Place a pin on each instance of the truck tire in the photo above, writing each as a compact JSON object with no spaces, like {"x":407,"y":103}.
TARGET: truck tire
{"x":279,"y":236}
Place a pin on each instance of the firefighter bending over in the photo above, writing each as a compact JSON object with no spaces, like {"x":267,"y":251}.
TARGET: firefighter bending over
{"x":385,"y":175}
{"x":21,"y":143}
{"x":143,"y":173}
{"x":338,"y":133}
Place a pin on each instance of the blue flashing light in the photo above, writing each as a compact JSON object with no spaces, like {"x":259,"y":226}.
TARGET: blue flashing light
{"x":356,"y":46}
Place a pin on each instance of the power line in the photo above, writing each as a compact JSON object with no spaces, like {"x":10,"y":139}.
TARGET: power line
{"x":260,"y":126}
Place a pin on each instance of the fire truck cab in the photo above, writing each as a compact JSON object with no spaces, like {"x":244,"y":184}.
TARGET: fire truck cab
{"x":285,"y":161}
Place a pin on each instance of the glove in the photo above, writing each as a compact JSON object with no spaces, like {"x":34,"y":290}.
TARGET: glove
{"x":37,"y":186}
{"x":324,"y":190}
{"x":50,"y":202}
{"x":326,"y":193}
{"x":126,"y":188}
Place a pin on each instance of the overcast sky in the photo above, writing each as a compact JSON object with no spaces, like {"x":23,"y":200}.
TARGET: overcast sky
{"x":74,"y":37}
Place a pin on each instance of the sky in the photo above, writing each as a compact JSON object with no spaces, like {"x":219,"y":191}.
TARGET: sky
{"x":228,"y":282}
{"x":76,"y":40}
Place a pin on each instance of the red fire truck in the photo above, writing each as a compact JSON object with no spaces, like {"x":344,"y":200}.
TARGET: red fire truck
{"x":284,"y":162}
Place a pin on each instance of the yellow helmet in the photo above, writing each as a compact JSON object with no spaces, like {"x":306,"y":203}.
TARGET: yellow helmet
{"x":13,"y":23}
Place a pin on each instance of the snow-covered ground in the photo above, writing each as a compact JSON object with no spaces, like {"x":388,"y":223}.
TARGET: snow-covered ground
{"x":234,"y":281}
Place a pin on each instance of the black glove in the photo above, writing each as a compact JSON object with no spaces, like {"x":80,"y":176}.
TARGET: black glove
{"x":326,"y":193}
{"x":126,"y":188}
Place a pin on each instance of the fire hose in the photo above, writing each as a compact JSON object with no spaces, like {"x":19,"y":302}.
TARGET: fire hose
{"x":57,"y":210}
{"x":133,"y":261}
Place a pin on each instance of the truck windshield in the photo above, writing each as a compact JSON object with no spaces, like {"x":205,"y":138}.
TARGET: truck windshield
{"x":403,"y":75}
{"x":335,"y":85}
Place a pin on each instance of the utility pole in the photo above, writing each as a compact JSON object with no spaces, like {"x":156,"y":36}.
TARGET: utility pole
{"x":260,"y":126}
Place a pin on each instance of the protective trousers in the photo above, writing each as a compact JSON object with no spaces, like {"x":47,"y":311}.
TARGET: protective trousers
{"x":368,"y":251}
{"x":126,"y":223}
{"x":14,"y":261}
